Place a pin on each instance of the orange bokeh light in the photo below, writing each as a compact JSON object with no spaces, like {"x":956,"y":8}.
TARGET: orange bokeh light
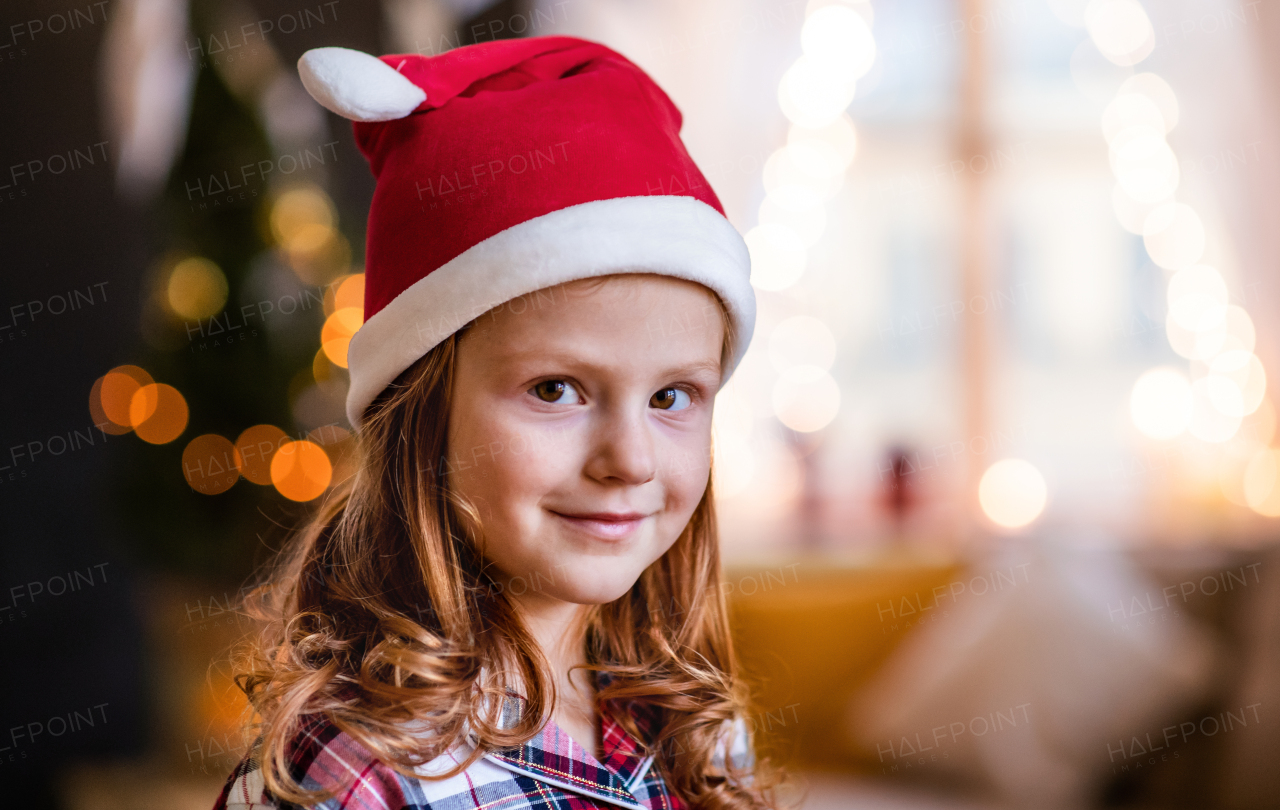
{"x":321,"y":368}
{"x":158,"y":413}
{"x":337,"y":332}
{"x":100,"y":417}
{"x":257,"y":446}
{"x":340,"y":445}
{"x":344,"y":291}
{"x":114,"y":394}
{"x":211,"y":464}
{"x":350,"y":293}
{"x":301,"y":470}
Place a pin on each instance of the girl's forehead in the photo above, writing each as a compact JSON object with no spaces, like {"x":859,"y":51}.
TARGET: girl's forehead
{"x":620,"y":295}
{"x":624,"y":284}
{"x":631,"y":314}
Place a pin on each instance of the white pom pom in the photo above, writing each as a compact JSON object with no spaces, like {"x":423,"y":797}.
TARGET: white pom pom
{"x":357,"y":86}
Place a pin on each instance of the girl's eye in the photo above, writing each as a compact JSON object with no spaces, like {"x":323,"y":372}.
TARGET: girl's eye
{"x":558,"y":392}
{"x":671,"y":399}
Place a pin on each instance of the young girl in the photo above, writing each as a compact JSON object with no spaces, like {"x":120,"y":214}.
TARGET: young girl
{"x":515,"y":601}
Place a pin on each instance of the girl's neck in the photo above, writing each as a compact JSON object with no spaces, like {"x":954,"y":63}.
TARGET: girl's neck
{"x":559,"y":629}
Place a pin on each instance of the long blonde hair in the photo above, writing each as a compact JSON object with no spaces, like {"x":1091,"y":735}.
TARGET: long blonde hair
{"x":380,"y":612}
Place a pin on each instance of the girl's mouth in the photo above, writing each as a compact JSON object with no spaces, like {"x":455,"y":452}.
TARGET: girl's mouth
{"x":604,"y":525}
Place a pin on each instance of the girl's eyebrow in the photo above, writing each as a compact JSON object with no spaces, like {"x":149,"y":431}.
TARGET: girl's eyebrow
{"x":709,"y":366}
{"x":530,"y":356}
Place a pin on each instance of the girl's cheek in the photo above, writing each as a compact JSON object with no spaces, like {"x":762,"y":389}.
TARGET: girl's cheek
{"x":527,"y":455}
{"x":477,"y":453}
{"x":687,"y":466}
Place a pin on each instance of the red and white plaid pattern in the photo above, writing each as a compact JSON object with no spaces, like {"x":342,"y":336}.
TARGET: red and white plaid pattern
{"x":549,"y":772}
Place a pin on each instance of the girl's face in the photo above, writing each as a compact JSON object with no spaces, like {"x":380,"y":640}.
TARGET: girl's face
{"x":580,"y":429}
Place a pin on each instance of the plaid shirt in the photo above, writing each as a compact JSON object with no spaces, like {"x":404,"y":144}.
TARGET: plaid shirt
{"x":549,"y":772}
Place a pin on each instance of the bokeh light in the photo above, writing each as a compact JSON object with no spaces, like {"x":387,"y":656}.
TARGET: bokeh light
{"x":1144,"y":164}
{"x":1196,"y":344}
{"x":297,"y":212}
{"x":115,"y":394}
{"x":1131,"y":213}
{"x":1012,"y":493}
{"x":1132,"y":110}
{"x":1120,"y":29}
{"x":158,"y":413}
{"x":1197,"y":297}
{"x":816,"y":158}
{"x":1174,"y":236}
{"x":211,"y":464}
{"x":1159,"y":91}
{"x":813,"y":96}
{"x":1207,"y":422}
{"x":337,"y":332}
{"x":344,"y":291}
{"x":806,"y":398}
{"x":1236,"y":383}
{"x":802,"y":166}
{"x":798,"y":208}
{"x":321,"y":367}
{"x":777,"y":256}
{"x":801,"y":340}
{"x":862,"y":7}
{"x":304,"y":224}
{"x":350,"y":292}
{"x":840,"y":135}
{"x":111,"y":395}
{"x":257,"y":446}
{"x":301,"y":471}
{"x":1228,"y":383}
{"x":197,"y":289}
{"x":839,"y":39}
{"x":99,"y":416}
{"x":1228,"y":329}
{"x":1160,"y":403}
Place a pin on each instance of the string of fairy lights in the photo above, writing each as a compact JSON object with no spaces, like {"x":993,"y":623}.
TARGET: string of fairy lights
{"x":193,"y":288}
{"x":800,"y":178}
{"x":838,"y":49}
{"x":1220,"y":397}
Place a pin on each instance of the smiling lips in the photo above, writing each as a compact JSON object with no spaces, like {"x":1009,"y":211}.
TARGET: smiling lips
{"x":605,"y":525}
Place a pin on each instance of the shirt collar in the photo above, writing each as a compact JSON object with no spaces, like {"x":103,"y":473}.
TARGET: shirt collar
{"x":553,"y":756}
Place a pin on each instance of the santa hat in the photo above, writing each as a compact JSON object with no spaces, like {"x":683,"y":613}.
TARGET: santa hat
{"x":511,"y":166}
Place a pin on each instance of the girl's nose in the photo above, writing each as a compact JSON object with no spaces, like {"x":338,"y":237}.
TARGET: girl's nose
{"x":623,"y":450}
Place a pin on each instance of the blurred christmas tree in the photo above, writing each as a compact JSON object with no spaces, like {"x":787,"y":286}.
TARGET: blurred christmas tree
{"x":237,"y":394}
{"x":236,"y":397}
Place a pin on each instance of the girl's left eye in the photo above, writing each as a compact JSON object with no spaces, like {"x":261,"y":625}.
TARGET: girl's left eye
{"x":671,"y":399}
{"x":556,"y":392}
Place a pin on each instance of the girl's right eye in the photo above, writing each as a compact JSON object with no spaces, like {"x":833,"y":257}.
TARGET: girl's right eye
{"x":557,"y":392}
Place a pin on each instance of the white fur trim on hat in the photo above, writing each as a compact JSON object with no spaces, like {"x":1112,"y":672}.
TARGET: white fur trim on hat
{"x":358,"y":86}
{"x":680,"y":237}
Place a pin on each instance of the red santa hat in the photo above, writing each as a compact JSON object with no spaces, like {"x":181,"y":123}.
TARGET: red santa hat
{"x":511,"y":166}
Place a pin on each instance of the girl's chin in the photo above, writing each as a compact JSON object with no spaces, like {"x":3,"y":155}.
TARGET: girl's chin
{"x":592,"y":591}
